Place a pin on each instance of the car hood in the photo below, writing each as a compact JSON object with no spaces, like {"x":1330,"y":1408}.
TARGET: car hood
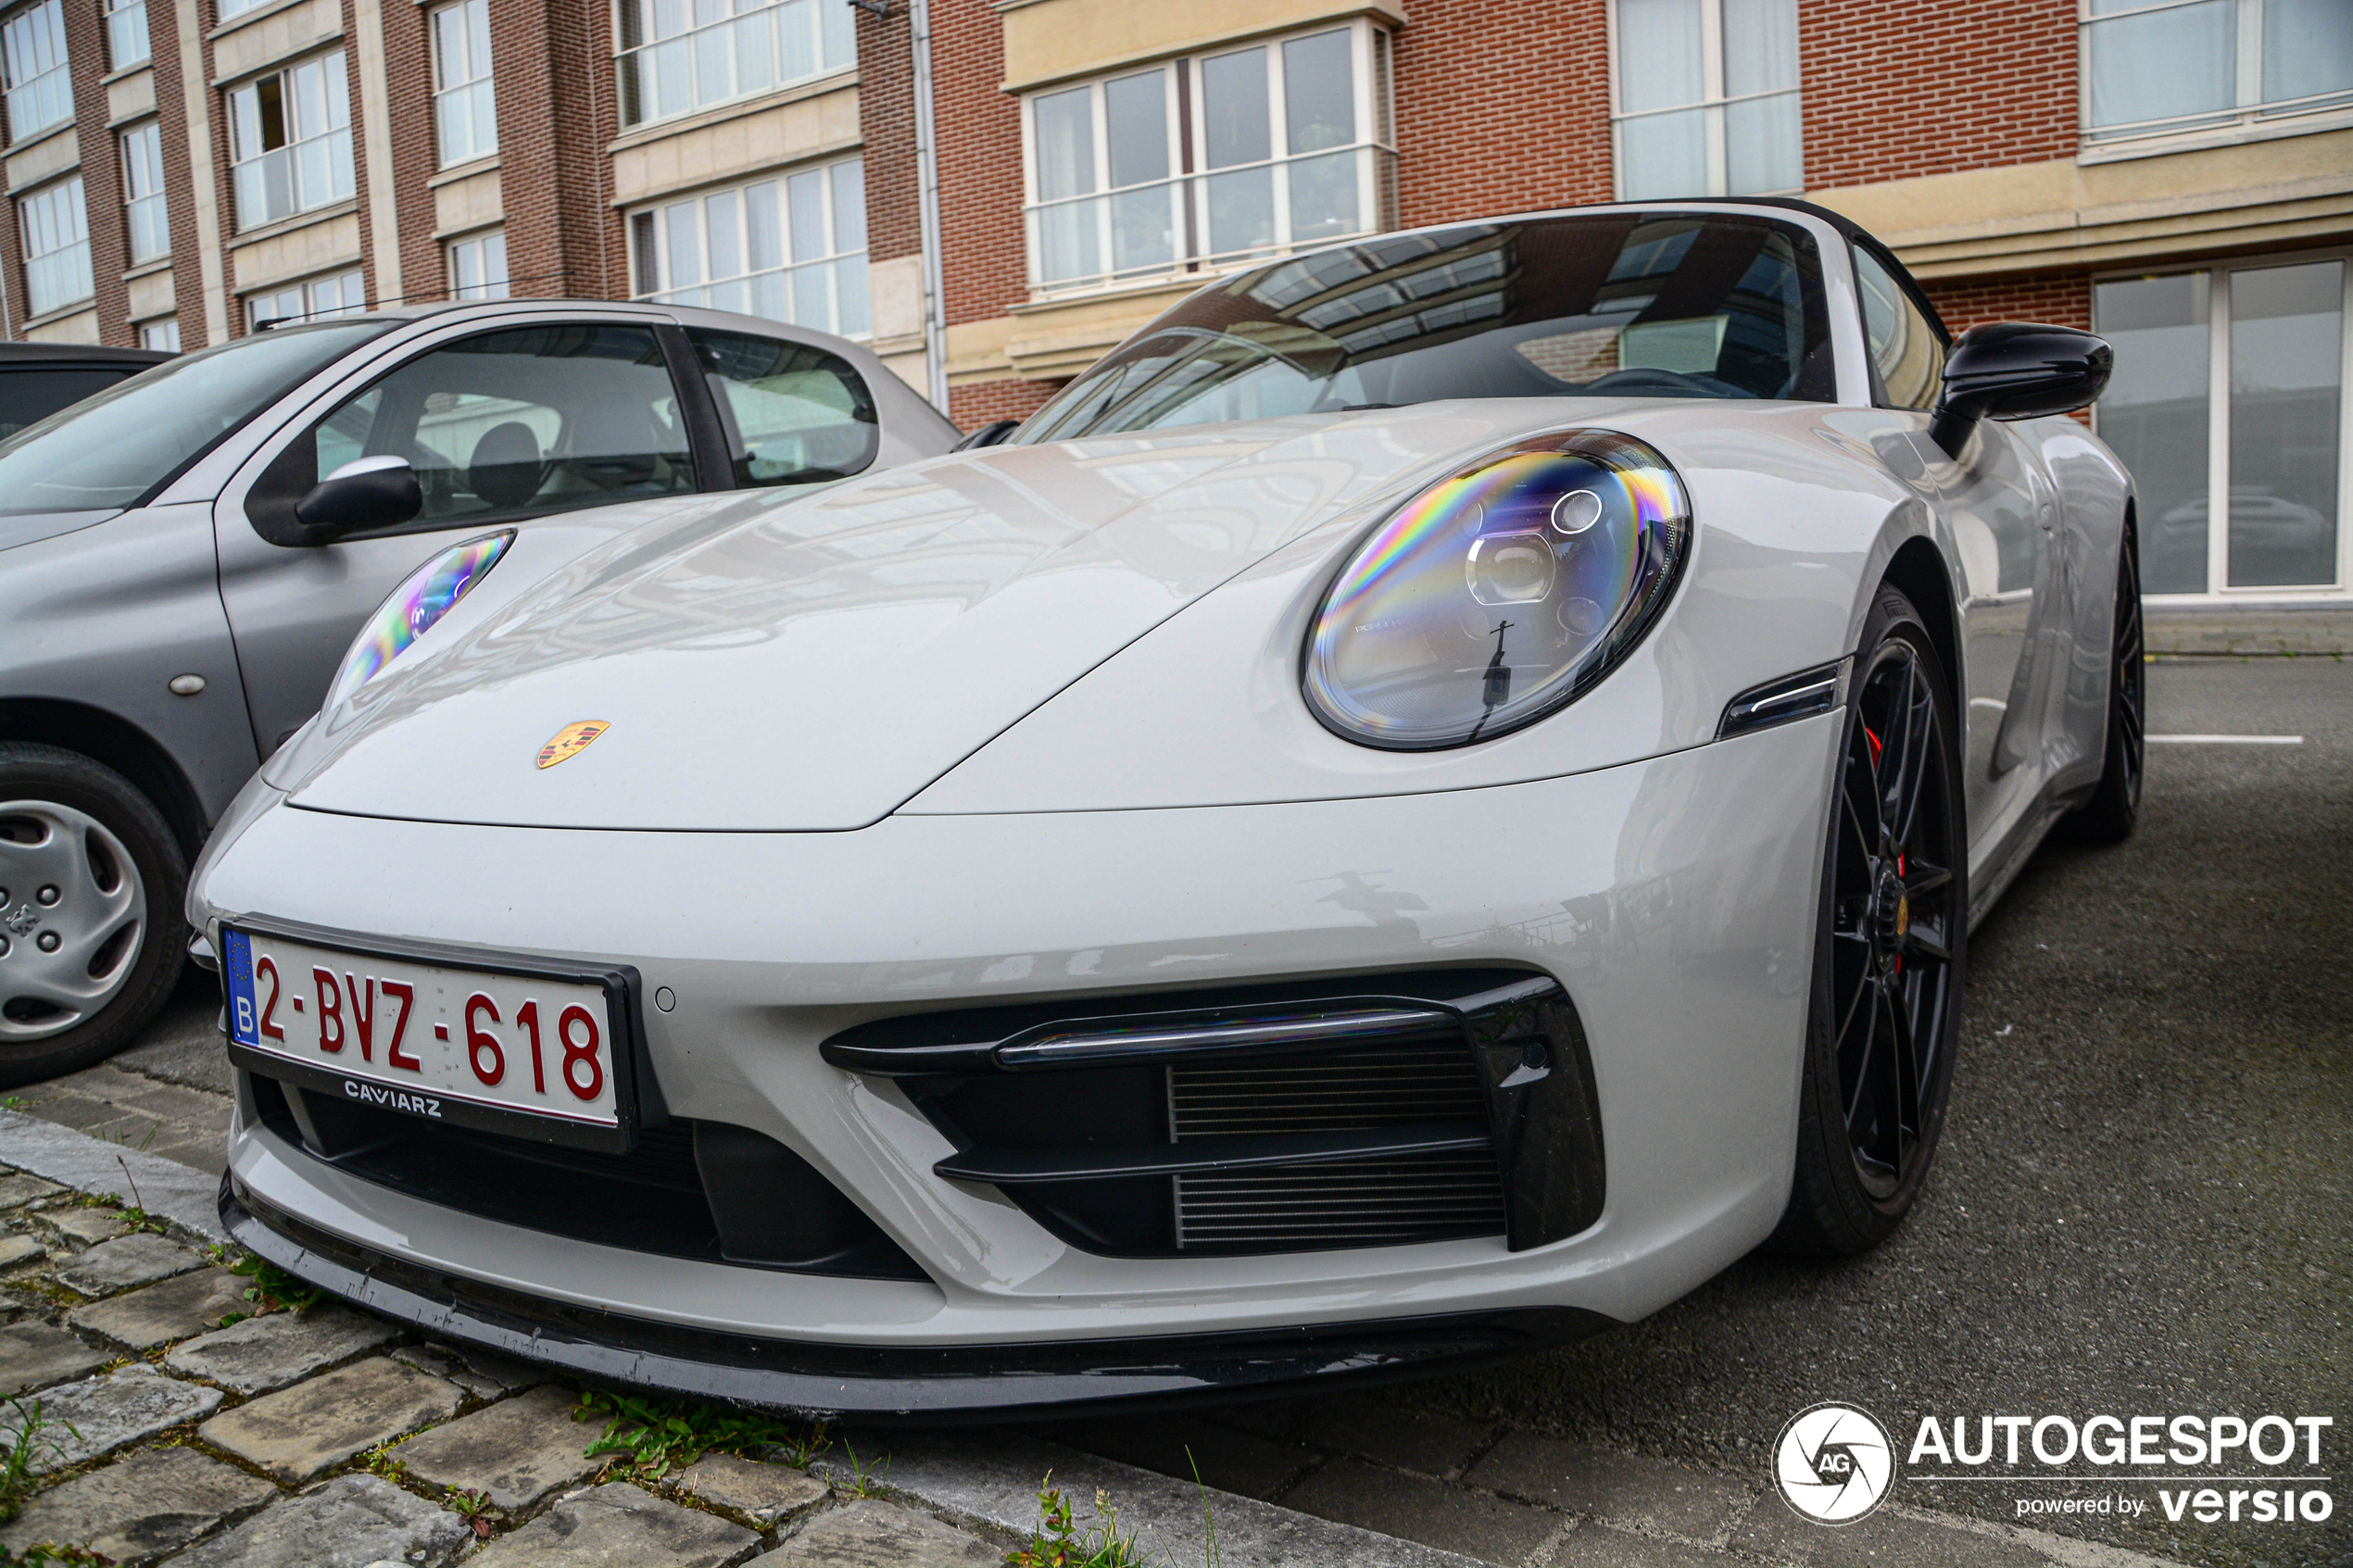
{"x":805,"y":663}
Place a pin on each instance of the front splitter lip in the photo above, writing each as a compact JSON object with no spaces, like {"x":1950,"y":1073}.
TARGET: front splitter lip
{"x":938,"y":1385}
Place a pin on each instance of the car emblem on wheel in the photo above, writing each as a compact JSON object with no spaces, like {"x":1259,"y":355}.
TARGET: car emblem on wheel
{"x":1833,"y":1464}
{"x":571,"y":741}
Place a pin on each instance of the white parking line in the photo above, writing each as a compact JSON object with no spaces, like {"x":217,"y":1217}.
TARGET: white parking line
{"x":2225,"y":740}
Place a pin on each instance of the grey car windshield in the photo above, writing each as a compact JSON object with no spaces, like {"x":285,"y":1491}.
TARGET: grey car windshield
{"x":116,"y":449}
{"x":1620,"y":305}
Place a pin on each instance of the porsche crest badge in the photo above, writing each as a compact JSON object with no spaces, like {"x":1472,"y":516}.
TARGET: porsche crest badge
{"x":571,"y":741}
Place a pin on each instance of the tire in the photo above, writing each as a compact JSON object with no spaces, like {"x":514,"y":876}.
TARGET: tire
{"x":1891,"y":948}
{"x":2114,"y":805}
{"x":87,"y":860}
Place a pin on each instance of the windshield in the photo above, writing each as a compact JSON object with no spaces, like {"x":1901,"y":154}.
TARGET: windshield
{"x":1620,"y":305}
{"x":116,"y":449}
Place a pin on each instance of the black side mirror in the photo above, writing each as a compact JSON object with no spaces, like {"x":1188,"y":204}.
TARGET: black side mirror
{"x":366,"y":493}
{"x":988,"y":434}
{"x":2017,"y":371}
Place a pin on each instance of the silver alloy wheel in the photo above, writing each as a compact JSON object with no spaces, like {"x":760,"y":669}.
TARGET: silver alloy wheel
{"x":72,"y":912}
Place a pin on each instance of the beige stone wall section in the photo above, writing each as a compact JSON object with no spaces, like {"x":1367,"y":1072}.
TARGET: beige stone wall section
{"x":475,"y":202}
{"x":131,"y":97}
{"x":1047,"y":341}
{"x":375,"y":129}
{"x":44,"y":159}
{"x":298,"y":252}
{"x":204,"y":184}
{"x":2061,"y":213}
{"x":79,"y":328}
{"x":244,"y":47}
{"x":1053,"y":40}
{"x":711,"y":153}
{"x":152,"y":294}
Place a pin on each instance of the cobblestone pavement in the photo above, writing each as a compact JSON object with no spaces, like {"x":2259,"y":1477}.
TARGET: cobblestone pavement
{"x":173,"y":1425}
{"x":2250,"y":633}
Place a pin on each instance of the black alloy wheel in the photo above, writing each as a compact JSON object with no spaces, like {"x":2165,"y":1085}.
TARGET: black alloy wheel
{"x":2107,"y":817}
{"x":1889,"y":951}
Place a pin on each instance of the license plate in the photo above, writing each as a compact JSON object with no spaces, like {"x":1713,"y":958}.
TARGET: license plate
{"x":482,"y":1048}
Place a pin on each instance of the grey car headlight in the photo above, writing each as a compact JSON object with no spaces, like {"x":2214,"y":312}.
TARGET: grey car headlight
{"x":1499,"y":593}
{"x":411,"y":610}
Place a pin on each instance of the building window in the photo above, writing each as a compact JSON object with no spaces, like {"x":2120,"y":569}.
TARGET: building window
{"x":56,"y":246}
{"x":343,"y":295}
{"x":1705,"y":98}
{"x":478,"y":266}
{"x":2151,"y":67}
{"x":290,"y":141}
{"x":143,"y":192}
{"x":2228,"y":405}
{"x":465,"y":115}
{"x":40,"y":85}
{"x":127,"y":42}
{"x":1219,"y":158}
{"x":679,"y":56}
{"x":792,"y":249}
{"x":162,"y":336}
{"x":237,"y":7}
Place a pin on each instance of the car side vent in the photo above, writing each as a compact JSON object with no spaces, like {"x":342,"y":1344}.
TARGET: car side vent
{"x":1429,"y":1195}
{"x":1372,"y":1111}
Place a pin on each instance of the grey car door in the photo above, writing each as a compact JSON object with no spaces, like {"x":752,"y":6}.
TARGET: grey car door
{"x":503,"y":425}
{"x":1995,"y":510}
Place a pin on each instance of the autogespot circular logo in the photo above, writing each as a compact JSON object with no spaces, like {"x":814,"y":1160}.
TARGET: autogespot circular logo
{"x":1833,"y":1464}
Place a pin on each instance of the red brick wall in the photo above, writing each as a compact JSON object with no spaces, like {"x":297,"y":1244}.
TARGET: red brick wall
{"x":553,"y":61}
{"x":973,"y":406}
{"x":1500,"y":113}
{"x":1891,"y":90}
{"x":979,"y":162}
{"x":179,"y":202}
{"x":101,"y":171}
{"x":408,"y":72}
{"x":887,"y":124}
{"x":2061,"y":299}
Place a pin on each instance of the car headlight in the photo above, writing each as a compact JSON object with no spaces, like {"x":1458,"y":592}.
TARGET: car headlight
{"x":1499,"y":593}
{"x":412,"y":608}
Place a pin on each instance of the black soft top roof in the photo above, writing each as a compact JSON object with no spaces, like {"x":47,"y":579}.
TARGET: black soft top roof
{"x":78,"y":354}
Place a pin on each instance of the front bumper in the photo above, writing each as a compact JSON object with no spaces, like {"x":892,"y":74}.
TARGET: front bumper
{"x":1673,"y":899}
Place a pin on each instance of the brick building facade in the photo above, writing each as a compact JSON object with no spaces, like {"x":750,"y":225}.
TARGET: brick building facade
{"x":2179,"y":178}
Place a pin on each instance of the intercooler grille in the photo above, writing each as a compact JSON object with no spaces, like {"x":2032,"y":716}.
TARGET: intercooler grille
{"x":1371,"y":1203}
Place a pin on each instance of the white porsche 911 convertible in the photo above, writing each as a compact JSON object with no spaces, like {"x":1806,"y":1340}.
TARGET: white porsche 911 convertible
{"x":1421,"y":808}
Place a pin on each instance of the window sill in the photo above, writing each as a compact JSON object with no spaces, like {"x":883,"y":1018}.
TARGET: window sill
{"x":87,"y":303}
{"x":50,"y":132}
{"x":2239,"y":134}
{"x":278,"y":226}
{"x":123,"y":72}
{"x":160,"y":264}
{"x":815,"y":87}
{"x":247,"y":19}
{"x":465,"y":170}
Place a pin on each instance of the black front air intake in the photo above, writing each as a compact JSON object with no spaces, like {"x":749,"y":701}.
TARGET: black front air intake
{"x":1374,"y":1112}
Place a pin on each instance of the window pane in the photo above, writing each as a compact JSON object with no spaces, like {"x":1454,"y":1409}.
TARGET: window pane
{"x":1241,"y":211}
{"x":800,"y":413}
{"x":853,"y":316}
{"x":1760,"y":46}
{"x":805,"y":195}
{"x":1905,"y":348}
{"x":2307,"y":48}
{"x":2286,"y":408}
{"x":2160,"y":64}
{"x":840,"y":36}
{"x":1065,"y":146}
{"x":1762,"y":150}
{"x":1659,"y":61}
{"x":763,"y":226}
{"x":1143,"y":229}
{"x":685,"y":254}
{"x":1235,"y":126}
{"x":1323,"y":197}
{"x":725,"y":246}
{"x":1664,"y":155}
{"x":1137,"y":108}
{"x":850,"y":205}
{"x":1319,"y":91}
{"x":2154,"y":416}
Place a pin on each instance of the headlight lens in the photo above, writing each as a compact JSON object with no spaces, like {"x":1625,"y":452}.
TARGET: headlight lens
{"x":1500,"y":593}
{"x":412,"y":609}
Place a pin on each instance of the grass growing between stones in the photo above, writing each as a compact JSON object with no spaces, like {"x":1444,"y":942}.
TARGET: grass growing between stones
{"x":1059,"y":1541}
{"x":649,"y":1437}
{"x":272,"y":1290}
{"x":28,"y":1442}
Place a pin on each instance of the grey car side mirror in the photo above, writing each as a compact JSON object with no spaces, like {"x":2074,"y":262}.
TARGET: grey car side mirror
{"x":2017,"y":371}
{"x":363,"y":494}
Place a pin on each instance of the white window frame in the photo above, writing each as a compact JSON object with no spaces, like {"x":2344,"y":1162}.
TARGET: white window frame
{"x":334,"y":138}
{"x":161,"y":334}
{"x":686,"y":54}
{"x":59,"y":211}
{"x":485,"y":249}
{"x":1713,"y":101}
{"x":350,"y":287}
{"x":143,"y":202}
{"x":461,"y":95}
{"x":657,"y":220}
{"x":38,"y":70}
{"x":2249,"y":116}
{"x":2217,"y":426}
{"x":125,"y":19}
{"x":1189,"y":174}
{"x":227,"y":9}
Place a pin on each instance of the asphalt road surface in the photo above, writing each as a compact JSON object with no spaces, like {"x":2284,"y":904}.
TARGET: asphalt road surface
{"x":2139,"y":1207}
